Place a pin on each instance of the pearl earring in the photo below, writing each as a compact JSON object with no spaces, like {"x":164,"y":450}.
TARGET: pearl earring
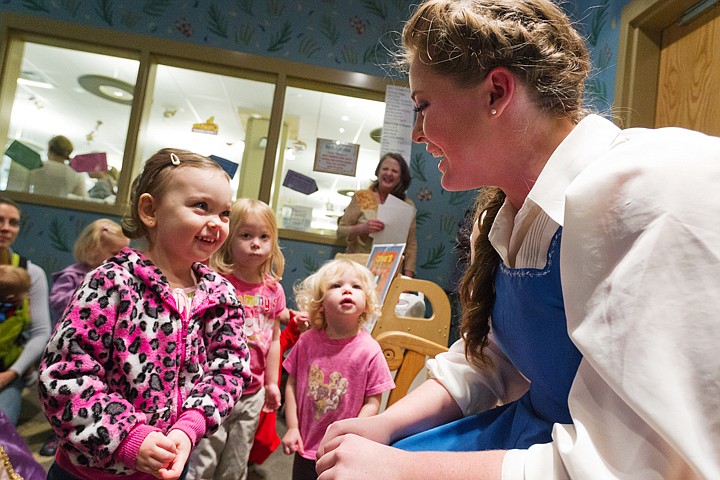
{"x":493,"y":111}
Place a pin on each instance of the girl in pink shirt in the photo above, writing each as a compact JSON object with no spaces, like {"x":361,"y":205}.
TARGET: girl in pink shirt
{"x":336,"y":369}
{"x":252,"y":262}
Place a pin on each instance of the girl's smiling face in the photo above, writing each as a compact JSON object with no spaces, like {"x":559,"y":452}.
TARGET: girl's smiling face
{"x":189,"y":219}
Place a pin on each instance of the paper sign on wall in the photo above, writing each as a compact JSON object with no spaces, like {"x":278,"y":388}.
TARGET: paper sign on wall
{"x":332,"y":156}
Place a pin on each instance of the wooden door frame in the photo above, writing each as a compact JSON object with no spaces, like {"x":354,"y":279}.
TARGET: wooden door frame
{"x":641,"y":25}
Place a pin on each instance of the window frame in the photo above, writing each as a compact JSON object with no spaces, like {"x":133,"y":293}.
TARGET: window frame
{"x":19,"y":28}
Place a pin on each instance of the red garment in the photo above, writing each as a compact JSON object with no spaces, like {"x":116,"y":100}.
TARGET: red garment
{"x":266,"y":437}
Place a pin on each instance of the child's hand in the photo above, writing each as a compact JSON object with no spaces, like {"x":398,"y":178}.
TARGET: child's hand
{"x":156,"y":453}
{"x":272,"y":398}
{"x":183,"y":446}
{"x":303,"y":320}
{"x":292,"y":442}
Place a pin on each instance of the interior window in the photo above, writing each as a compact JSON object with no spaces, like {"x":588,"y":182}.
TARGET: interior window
{"x":213,"y":115}
{"x":68,"y":123}
{"x":329,"y":148}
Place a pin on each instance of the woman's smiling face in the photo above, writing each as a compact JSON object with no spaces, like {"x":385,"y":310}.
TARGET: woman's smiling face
{"x":448,"y":123}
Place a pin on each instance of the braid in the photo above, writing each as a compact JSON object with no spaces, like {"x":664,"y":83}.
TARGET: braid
{"x":477,"y":287}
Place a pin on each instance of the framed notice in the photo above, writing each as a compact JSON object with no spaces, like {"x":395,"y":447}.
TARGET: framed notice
{"x":332,"y":156}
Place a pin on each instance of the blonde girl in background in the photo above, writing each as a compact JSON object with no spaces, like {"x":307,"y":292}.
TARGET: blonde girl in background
{"x":150,"y":355}
{"x":97,"y":242}
{"x":336,"y":369}
{"x":252,"y":262}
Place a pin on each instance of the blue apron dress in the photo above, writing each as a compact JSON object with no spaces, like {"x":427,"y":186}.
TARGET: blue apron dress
{"x":529,"y":326}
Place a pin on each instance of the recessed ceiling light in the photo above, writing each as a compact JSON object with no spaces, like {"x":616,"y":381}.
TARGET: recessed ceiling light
{"x":108,"y":88}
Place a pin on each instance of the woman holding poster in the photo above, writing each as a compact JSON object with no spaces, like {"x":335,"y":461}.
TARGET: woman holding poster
{"x":360,"y":221}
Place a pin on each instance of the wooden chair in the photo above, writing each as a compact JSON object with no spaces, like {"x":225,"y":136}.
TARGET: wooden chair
{"x":408,"y":341}
{"x":406,"y":353}
{"x":435,"y":328}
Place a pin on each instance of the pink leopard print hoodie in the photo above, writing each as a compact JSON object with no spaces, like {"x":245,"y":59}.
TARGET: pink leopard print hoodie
{"x":123,"y":362}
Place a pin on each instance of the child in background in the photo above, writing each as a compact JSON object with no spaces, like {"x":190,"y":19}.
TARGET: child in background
{"x":98,"y":241}
{"x":150,"y":355}
{"x":336,"y":369}
{"x":252,"y":262}
{"x":14,"y":313}
{"x":266,"y":437}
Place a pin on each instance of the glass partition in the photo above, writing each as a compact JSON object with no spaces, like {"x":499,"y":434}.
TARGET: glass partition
{"x":68,"y":123}
{"x":329,"y":142}
{"x":211,"y":114}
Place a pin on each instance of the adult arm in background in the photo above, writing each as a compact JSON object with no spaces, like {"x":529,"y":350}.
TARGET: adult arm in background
{"x":355,"y":228}
{"x":39,"y":322}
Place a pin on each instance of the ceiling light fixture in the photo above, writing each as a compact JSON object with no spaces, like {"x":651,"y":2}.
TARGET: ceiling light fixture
{"x":108,"y":88}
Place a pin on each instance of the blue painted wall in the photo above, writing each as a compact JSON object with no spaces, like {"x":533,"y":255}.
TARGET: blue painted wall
{"x":344,"y":34}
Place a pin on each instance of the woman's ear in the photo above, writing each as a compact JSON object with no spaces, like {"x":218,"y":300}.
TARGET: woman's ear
{"x":146,"y":210}
{"x":500,"y":85}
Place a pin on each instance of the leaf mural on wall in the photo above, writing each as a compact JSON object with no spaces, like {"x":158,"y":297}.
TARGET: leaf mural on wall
{"x":376,"y":7}
{"x":275,"y":8}
{"x":421,"y":216}
{"x":308,"y":47}
{"x":434,"y":257}
{"x":71,"y":6}
{"x":244,"y":34}
{"x":155,"y":8}
{"x":217,"y":22}
{"x":329,"y":30}
{"x":129,"y":19}
{"x":35,"y":5}
{"x":598,"y":22}
{"x":57,"y":237}
{"x":104,"y":11}
{"x":311,"y":265}
{"x":349,"y":55}
{"x":372,"y":54}
{"x":246,"y":6}
{"x":280,"y":38}
{"x":416,"y":167}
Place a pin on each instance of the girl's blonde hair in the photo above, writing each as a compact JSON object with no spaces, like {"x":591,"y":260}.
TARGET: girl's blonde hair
{"x":222,"y":260}
{"x":89,"y":246}
{"x":310,"y":293}
{"x":465,"y":39}
{"x":154,"y":179}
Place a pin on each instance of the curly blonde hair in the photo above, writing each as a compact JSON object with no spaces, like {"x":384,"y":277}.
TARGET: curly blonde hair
{"x":222,"y":260}
{"x":534,"y":39}
{"x":310,"y":293}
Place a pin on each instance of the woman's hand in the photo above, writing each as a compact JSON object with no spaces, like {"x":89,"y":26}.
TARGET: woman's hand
{"x":372,"y":428}
{"x":374,"y":226}
{"x":350,"y":457}
{"x":7,"y":377}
